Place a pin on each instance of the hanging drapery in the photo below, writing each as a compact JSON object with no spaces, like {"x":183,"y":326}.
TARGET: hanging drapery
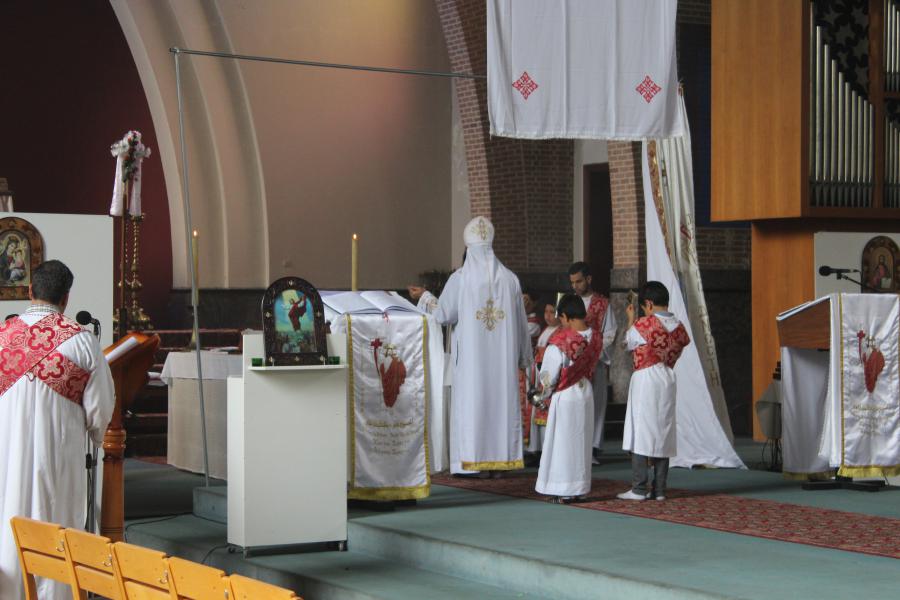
{"x":130,"y":153}
{"x":704,"y":429}
{"x":590,"y":69}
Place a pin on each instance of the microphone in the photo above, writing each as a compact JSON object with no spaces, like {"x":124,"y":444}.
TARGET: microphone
{"x":84,"y":318}
{"x":825,"y":271}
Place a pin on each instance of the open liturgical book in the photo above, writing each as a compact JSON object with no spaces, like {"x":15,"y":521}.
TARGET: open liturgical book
{"x":371,"y":302}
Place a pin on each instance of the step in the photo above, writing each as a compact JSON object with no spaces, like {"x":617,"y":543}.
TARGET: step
{"x":146,"y":444}
{"x":350,"y":575}
{"x":211,"y":503}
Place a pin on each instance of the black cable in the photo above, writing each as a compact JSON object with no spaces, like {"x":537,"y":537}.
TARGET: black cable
{"x":169,"y":518}
{"x":213,"y":549}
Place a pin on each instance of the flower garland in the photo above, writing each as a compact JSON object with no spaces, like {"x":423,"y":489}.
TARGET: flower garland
{"x":129,"y":153}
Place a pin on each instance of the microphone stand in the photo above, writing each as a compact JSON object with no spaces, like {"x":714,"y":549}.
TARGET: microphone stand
{"x":859,"y":283}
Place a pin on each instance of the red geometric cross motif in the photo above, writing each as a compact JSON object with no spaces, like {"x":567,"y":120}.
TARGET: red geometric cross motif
{"x":648,"y":89}
{"x":525,"y":84}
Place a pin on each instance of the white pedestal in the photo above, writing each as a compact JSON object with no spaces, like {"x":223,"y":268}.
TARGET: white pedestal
{"x":287,"y":453}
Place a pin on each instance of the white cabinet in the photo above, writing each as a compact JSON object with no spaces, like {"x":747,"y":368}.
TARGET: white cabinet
{"x":287,"y":453}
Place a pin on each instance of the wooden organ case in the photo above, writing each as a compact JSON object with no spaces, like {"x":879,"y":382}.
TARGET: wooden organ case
{"x":805,"y":138}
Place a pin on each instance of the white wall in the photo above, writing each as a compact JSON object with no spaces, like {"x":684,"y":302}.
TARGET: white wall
{"x":840,"y":250}
{"x":587,"y":152}
{"x":85,"y":244}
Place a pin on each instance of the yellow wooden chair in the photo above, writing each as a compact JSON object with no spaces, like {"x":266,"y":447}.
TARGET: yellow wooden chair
{"x":142,"y":573}
{"x":193,"y":581}
{"x":41,"y":552}
{"x":245,"y":588}
{"x":91,"y":565}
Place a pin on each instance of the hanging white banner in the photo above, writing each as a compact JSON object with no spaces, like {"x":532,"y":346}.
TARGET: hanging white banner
{"x":704,"y":430}
{"x":592,"y":69}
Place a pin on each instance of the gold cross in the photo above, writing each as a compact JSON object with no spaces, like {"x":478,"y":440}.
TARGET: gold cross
{"x":490,"y":315}
{"x":481,"y":229}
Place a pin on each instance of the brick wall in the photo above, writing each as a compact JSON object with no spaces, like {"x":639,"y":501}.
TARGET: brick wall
{"x":523,"y":186}
{"x":723,"y":248}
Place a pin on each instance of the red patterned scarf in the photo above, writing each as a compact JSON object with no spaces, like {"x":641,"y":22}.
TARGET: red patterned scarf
{"x":32,"y":350}
{"x":596,"y":311}
{"x":584,"y":355}
{"x":662,"y":346}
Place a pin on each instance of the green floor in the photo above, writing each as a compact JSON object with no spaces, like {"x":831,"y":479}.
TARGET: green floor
{"x":501,"y":542}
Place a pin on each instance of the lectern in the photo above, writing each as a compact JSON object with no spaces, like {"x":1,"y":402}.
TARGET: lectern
{"x":129,"y":360}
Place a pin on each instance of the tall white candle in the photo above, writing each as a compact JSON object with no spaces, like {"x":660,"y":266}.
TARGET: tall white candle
{"x":354,"y":263}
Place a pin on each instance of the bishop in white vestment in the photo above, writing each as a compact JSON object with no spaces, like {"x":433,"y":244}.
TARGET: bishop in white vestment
{"x":483,"y":301}
{"x":58,"y":391}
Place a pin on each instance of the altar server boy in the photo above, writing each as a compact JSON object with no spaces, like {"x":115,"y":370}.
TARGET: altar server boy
{"x":565,"y":377}
{"x":655,"y":341}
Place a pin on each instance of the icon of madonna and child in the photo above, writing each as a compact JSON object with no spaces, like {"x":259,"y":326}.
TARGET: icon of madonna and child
{"x":294,"y":325}
{"x":14,"y":260}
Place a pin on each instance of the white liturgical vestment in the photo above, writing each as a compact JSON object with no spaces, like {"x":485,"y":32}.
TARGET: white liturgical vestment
{"x":43,"y":445}
{"x":566,"y":459}
{"x":483,"y":300}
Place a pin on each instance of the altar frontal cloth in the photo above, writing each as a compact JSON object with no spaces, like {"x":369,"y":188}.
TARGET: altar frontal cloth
{"x":591,"y":69}
{"x":389,"y":397}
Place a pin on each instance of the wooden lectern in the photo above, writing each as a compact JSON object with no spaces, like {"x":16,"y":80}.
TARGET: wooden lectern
{"x":129,"y":360}
{"x":808,"y":328}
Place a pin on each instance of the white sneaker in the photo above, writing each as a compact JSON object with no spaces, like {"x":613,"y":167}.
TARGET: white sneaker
{"x":630,"y":495}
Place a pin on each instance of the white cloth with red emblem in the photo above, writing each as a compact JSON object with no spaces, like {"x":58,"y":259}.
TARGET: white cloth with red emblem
{"x":482,"y":301}
{"x":565,"y":468}
{"x":43,"y":442}
{"x":852,"y":425}
{"x":650,"y":422}
{"x":591,"y":69}
{"x":395,"y":404}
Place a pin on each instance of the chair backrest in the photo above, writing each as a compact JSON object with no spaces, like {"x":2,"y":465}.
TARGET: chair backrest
{"x":244,"y":588}
{"x":41,"y":552}
{"x":193,"y":581}
{"x":143,"y":573}
{"x":91,"y":563}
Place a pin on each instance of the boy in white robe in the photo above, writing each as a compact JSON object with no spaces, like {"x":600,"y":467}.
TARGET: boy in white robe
{"x":656,"y":341}
{"x":566,"y":372}
{"x":539,"y":417}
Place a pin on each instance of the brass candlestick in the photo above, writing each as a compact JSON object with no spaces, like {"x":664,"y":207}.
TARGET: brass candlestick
{"x":137,"y":318}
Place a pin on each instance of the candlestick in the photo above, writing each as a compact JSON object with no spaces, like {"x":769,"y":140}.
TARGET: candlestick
{"x":354,"y":263}
{"x":195,"y":256}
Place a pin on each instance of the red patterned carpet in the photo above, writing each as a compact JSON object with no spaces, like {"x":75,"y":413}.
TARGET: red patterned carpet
{"x":735,"y":514}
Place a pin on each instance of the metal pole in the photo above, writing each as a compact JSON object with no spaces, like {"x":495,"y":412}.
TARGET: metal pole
{"x":311,"y":63}
{"x":194,"y":296}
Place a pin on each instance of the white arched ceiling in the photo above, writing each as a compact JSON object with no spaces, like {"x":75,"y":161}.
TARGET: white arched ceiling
{"x":226,"y":184}
{"x":286,"y":162}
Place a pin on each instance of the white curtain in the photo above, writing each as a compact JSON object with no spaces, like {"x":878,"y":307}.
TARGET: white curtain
{"x":591,"y":69}
{"x":704,"y":429}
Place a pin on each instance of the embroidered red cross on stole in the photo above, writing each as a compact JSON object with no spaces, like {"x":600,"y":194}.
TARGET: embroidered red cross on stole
{"x":596,"y":312}
{"x":31,"y":350}
{"x":662,"y":346}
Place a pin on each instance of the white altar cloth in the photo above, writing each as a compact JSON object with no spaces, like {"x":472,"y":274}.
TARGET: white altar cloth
{"x":185,"y":439}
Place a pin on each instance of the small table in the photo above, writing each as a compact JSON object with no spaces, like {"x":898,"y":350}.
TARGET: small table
{"x":185,"y":435}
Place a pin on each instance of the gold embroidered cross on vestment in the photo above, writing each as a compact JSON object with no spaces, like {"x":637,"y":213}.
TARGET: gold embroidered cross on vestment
{"x":490,"y":315}
{"x":482,"y":230}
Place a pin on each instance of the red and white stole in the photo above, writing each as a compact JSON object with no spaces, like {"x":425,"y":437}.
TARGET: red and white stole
{"x":31,"y":350}
{"x":596,"y":311}
{"x":584,"y":355}
{"x":662,"y":346}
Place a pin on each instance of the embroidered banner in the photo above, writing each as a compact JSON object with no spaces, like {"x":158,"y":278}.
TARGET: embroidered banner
{"x":389,"y":397}
{"x":594,"y":69}
{"x":864,"y":394}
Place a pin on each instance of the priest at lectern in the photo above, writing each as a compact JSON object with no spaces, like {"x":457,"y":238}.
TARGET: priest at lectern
{"x":56,"y":388}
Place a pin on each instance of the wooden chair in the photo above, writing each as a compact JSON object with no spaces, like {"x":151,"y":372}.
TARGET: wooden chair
{"x":245,"y":588}
{"x":41,"y":552}
{"x":142,"y":573}
{"x":193,"y":581}
{"x":91,"y":565}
